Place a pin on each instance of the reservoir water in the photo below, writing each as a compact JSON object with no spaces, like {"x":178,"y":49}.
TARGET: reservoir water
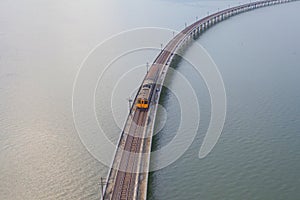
{"x":43,"y":43}
{"x":257,"y":156}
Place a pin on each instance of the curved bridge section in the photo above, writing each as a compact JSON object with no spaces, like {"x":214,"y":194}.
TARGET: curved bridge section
{"x":128,"y":175}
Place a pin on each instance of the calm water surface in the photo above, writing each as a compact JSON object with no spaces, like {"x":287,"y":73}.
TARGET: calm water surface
{"x":257,"y":156}
{"x":42,"y":44}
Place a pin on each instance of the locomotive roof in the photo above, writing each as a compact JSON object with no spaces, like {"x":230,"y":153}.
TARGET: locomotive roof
{"x":144,"y":93}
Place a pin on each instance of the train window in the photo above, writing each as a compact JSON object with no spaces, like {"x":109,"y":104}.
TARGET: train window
{"x":139,"y":101}
{"x":146,"y":102}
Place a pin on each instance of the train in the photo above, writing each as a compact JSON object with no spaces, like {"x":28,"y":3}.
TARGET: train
{"x":146,"y":91}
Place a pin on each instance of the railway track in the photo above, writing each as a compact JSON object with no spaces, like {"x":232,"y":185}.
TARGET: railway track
{"x":124,"y":188}
{"x":123,"y":180}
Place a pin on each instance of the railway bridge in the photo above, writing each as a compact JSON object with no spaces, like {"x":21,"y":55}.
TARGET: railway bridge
{"x":128,"y":177}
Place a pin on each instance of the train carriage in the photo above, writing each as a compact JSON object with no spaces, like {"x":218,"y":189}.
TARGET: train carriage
{"x":144,"y":96}
{"x":146,"y":91}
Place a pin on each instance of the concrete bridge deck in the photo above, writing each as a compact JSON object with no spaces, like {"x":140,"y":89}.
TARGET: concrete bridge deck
{"x":128,"y":177}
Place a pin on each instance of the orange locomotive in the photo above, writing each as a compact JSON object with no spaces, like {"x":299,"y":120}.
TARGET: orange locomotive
{"x":144,"y":97}
{"x":145,"y":94}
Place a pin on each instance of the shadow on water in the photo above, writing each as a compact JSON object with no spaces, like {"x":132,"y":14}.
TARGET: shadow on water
{"x":164,"y":100}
